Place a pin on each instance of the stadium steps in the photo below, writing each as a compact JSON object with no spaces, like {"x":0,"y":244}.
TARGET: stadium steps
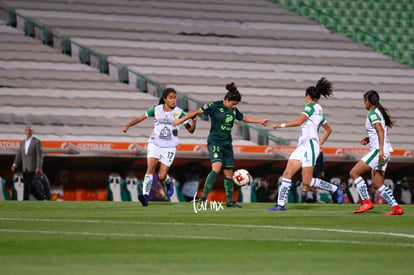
{"x":79,"y":124}
{"x":65,"y":100}
{"x":191,"y":46}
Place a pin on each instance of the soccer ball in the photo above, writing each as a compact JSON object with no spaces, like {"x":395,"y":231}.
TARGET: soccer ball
{"x":242,"y":177}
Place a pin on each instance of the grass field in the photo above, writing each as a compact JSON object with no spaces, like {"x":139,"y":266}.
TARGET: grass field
{"x":48,"y":237}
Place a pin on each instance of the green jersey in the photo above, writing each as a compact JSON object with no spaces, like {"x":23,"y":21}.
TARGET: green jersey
{"x":222,"y":120}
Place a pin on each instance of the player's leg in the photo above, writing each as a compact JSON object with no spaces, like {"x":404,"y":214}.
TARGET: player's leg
{"x":229,"y":188}
{"x":292,"y":167}
{"x":216,"y":159}
{"x":166,"y":159}
{"x":308,"y":180}
{"x":148,"y":178}
{"x":228,"y":166}
{"x":294,"y":164}
{"x":309,"y":157}
{"x":152,"y":162}
{"x":360,"y":168}
{"x":385,"y":192}
{"x":211,"y":179}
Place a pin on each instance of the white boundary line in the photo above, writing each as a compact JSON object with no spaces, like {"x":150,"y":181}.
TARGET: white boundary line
{"x":393,"y":234}
{"x":307,"y":240}
{"x":159,"y":236}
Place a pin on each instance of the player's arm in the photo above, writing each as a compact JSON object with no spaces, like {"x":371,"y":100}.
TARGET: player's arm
{"x":191,"y":126}
{"x":39,"y":157}
{"x":301,"y":119}
{"x":134,"y":122}
{"x":187,"y":116}
{"x":326,"y":134}
{"x":17,"y":160}
{"x":364,"y":140}
{"x":250,"y":119}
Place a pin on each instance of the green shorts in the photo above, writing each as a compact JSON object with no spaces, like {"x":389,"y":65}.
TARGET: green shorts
{"x":223,"y":154}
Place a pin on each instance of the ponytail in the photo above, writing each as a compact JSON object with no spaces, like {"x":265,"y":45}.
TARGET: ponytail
{"x":374,"y":99}
{"x":233,"y":94}
{"x":323,"y":87}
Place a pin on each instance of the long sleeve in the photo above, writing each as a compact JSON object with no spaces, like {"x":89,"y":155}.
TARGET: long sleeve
{"x":18,"y":159}
{"x":39,"y":154}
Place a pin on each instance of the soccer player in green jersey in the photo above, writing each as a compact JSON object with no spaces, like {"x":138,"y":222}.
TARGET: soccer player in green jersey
{"x":163,"y":142}
{"x":376,"y":160}
{"x":222,"y":114}
{"x":305,"y":154}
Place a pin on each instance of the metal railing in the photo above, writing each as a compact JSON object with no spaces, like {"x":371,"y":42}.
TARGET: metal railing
{"x":29,"y":30}
{"x":142,"y":80}
{"x":265,"y":135}
{"x":84,"y":52}
{"x":183,"y":104}
{"x":244,"y":127}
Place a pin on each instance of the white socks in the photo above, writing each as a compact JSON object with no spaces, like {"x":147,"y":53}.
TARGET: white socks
{"x":284,"y":191}
{"x":321,"y":184}
{"x":362,"y":188}
{"x":387,"y":195}
{"x":147,"y":184}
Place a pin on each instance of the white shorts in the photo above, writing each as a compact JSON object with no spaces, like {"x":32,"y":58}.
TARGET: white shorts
{"x":307,"y":153}
{"x":164,"y":155}
{"x":372,"y":159}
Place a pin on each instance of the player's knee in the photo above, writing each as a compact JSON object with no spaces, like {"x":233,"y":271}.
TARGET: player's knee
{"x":353,"y":174}
{"x":287,"y":175}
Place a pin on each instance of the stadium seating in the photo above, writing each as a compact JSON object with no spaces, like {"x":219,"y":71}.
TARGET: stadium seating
{"x":65,"y":100}
{"x":271,"y":53}
{"x":385,"y":25}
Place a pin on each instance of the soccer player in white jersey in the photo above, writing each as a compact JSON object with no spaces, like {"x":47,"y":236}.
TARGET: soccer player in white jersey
{"x":376,"y":161}
{"x":309,"y":144}
{"x":163,"y":141}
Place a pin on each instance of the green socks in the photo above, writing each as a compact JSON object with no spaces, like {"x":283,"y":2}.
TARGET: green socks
{"x":208,"y":185}
{"x":228,"y":186}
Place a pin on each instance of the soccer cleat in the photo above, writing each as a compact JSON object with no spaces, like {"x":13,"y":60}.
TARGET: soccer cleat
{"x":170,"y":189}
{"x":277,"y":207}
{"x":233,"y":204}
{"x":365,"y":207}
{"x":395,"y":210}
{"x":339,"y":193}
{"x":143,"y":199}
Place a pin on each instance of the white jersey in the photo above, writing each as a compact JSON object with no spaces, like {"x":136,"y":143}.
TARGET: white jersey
{"x":309,"y":128}
{"x":375,"y":116}
{"x":164,"y":135}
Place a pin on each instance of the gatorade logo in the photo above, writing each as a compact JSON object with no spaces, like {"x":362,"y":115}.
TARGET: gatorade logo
{"x":409,"y":153}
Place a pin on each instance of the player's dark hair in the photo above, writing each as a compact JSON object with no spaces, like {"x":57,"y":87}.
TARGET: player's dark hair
{"x":374,"y":98}
{"x":232,"y":94}
{"x":323,"y":87}
{"x":165,"y":93}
